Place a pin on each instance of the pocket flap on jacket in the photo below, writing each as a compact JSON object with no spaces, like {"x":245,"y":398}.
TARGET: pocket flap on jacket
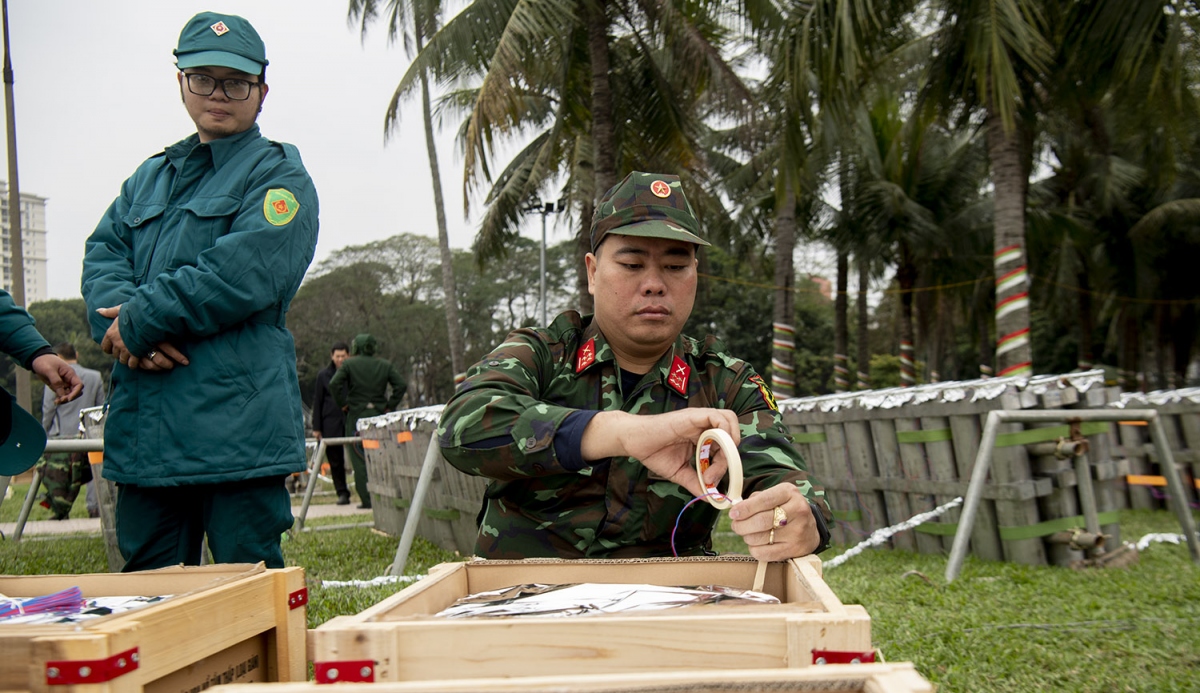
{"x":140,"y":214}
{"x":220,"y":206}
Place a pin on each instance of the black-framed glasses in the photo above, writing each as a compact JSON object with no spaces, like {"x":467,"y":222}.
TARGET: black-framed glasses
{"x":204,"y":85}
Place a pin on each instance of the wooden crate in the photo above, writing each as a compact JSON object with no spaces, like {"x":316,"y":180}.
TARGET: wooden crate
{"x":898,"y":677}
{"x":399,"y":640}
{"x":223,"y":624}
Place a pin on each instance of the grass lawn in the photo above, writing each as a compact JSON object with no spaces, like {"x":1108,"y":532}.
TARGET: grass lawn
{"x":999,"y":627}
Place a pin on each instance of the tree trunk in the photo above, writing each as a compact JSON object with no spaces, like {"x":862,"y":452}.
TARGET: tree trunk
{"x":983,"y":325}
{"x":584,"y":246}
{"x":1014,"y":353}
{"x":783,"y":352}
{"x":604,"y":153}
{"x":1087,"y":324}
{"x":906,"y":277}
{"x":449,"y":286}
{"x":1129,"y":351}
{"x":864,"y":318}
{"x":841,"y":328}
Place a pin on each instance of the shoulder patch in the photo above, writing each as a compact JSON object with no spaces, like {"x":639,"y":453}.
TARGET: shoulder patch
{"x":586,"y":355}
{"x":764,"y":391}
{"x":678,"y":377}
{"x":280,"y":206}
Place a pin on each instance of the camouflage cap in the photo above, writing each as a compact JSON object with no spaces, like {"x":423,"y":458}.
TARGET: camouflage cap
{"x":651,"y":205}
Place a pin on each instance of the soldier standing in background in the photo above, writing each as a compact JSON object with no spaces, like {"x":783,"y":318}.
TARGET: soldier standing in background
{"x":63,"y":473}
{"x":361,"y":388}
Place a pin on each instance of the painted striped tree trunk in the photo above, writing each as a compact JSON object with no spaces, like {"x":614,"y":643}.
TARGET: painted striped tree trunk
{"x":783,"y":344}
{"x":1014,"y":352}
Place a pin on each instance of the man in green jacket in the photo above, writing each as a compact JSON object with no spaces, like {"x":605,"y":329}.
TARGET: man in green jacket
{"x":587,"y":427}
{"x":189,"y":276}
{"x":361,"y":388}
{"x":22,"y":439}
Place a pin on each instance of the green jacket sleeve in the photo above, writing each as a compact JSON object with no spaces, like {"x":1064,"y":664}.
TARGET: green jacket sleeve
{"x":18,"y":337}
{"x":338,"y":387}
{"x":495,"y":425}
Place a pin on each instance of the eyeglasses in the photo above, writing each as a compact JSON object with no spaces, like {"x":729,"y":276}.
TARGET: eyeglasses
{"x":235,"y":89}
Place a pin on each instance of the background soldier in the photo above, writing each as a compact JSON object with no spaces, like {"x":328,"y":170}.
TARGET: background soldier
{"x":63,"y":473}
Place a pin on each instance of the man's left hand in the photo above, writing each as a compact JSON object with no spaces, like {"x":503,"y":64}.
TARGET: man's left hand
{"x":113,"y":343}
{"x":59,"y":377}
{"x":755,"y":518}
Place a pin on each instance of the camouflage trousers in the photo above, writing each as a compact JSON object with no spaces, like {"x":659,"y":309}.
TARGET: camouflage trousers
{"x":63,"y":473}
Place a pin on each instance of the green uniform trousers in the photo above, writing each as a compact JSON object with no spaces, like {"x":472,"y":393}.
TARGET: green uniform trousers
{"x":163,"y":526}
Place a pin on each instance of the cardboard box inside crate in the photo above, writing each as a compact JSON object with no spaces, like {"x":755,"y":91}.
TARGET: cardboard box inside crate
{"x":222,"y":623}
{"x":401,"y":639}
{"x":898,"y":677}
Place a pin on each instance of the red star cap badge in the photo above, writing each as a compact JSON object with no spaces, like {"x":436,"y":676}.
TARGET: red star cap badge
{"x":660,"y":188}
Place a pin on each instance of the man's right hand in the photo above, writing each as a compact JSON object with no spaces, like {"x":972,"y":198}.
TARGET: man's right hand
{"x":317,"y":435}
{"x":58,"y":376}
{"x":664,"y":443}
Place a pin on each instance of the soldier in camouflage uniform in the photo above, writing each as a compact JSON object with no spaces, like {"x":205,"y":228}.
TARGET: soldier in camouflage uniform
{"x":587,"y":427}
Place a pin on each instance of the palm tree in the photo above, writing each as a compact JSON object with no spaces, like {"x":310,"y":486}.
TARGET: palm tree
{"x":416,"y":19}
{"x":557,"y":70}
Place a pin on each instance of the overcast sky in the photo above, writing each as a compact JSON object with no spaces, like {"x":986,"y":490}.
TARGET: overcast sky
{"x":95,"y":95}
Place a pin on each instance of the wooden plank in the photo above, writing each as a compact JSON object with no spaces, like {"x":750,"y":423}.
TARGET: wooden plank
{"x":817,"y":455}
{"x":893,"y":677}
{"x":914,"y":466}
{"x":985,"y":539}
{"x":1063,"y":499}
{"x":861,"y":454}
{"x":1008,"y":465}
{"x":940,"y":456}
{"x":856,"y":524}
{"x":1131,"y":438}
{"x":887,"y":456}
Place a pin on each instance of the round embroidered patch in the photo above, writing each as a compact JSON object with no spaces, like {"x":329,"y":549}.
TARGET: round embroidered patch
{"x":280,"y":206}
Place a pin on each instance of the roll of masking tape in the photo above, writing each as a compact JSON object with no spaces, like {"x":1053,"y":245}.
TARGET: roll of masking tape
{"x":704,"y":455}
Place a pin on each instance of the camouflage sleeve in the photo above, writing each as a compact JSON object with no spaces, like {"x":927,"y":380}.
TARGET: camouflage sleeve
{"x":768,"y":456}
{"x":496,"y":425}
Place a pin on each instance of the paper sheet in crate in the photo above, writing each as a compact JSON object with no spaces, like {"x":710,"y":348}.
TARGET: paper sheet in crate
{"x":223,"y":623}
{"x":400,"y":639}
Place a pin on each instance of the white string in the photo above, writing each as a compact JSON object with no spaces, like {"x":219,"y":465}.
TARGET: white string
{"x":881,"y":535}
{"x":373,"y":582}
{"x":1144,"y":542}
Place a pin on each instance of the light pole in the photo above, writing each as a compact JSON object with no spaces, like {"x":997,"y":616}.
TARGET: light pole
{"x":545,"y":209}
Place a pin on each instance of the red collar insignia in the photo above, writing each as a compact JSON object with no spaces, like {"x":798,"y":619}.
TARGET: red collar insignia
{"x":586,"y":355}
{"x":678,"y":377}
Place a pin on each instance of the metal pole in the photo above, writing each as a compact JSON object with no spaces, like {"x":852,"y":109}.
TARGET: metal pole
{"x":314,"y":469}
{"x":16,"y":249}
{"x":432,"y":456}
{"x":1174,"y":486}
{"x":983,"y":462}
{"x":984,"y":458}
{"x":67,"y":445}
{"x":542,"y":274}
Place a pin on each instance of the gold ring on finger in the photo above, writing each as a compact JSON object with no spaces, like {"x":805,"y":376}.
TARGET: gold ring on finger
{"x":771,"y":538}
{"x":780,"y":518}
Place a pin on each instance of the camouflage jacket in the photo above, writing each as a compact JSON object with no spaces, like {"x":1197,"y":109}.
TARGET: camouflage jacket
{"x":517,"y":397}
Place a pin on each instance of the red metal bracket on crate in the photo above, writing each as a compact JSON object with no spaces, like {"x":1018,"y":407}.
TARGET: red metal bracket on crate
{"x":843,"y":657}
{"x":349,"y":671}
{"x":81,"y":671}
{"x":298,"y":598}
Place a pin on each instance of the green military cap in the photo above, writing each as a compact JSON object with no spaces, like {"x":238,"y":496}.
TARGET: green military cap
{"x":221,"y":40}
{"x":651,"y":205}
